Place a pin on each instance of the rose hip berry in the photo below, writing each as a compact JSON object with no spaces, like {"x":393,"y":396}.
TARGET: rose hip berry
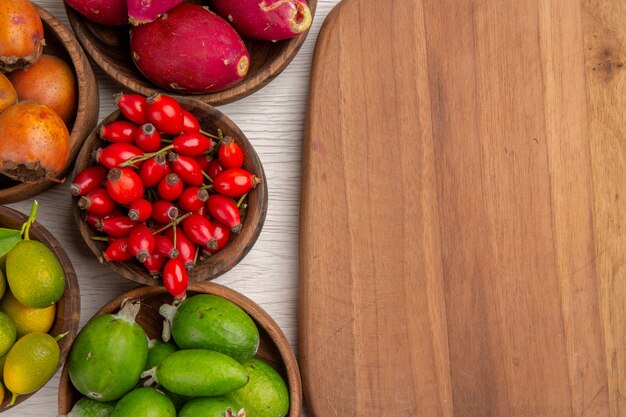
{"x":116,"y":154}
{"x":186,"y":248}
{"x":154,"y":264}
{"x":140,"y":210}
{"x":164,"y":211}
{"x":165,"y":114}
{"x":165,"y":247}
{"x":133,"y":107}
{"x":87,"y":180}
{"x":147,"y":138}
{"x":119,"y":132}
{"x":97,"y":202}
{"x":193,"y":198}
{"x":200,"y":231}
{"x":225,"y":211}
{"x":186,"y":168}
{"x":230,"y":154}
{"x":170,"y":187}
{"x":222,"y":235}
{"x":117,"y":251}
{"x":175,"y":277}
{"x":141,"y":242}
{"x":124,"y":185}
{"x":192,"y":144}
{"x":190,"y":123}
{"x":154,"y":170}
{"x":214,"y":169}
{"x":235,"y":182}
{"x":116,"y":226}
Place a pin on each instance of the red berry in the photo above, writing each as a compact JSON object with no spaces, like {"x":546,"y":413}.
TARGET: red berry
{"x":165,"y":247}
{"x":225,"y":211}
{"x":154,"y":264}
{"x":214,"y":169}
{"x":186,"y":168}
{"x":140,"y":210}
{"x":133,"y":107}
{"x":154,"y":170}
{"x":116,"y":154}
{"x":124,"y":185}
{"x":141,"y":242}
{"x":165,"y":114}
{"x":175,"y":278}
{"x":116,"y":226}
{"x":203,"y":162}
{"x":87,"y":180}
{"x":119,"y":132}
{"x":94,"y":220}
{"x":192,"y":144}
{"x":222,"y":234}
{"x":190,"y":123}
{"x":200,"y":231}
{"x":170,"y":187}
{"x":193,"y":198}
{"x":186,"y":248}
{"x":164,"y":211}
{"x":97,"y":202}
{"x":147,"y":138}
{"x":117,"y":251}
{"x":230,"y":154}
{"x":202,"y":211}
{"x":235,"y":182}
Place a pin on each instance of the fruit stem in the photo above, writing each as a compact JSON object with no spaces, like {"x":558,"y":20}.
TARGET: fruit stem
{"x":13,"y":398}
{"x":207,"y":187}
{"x":61,"y":336}
{"x":130,"y":309}
{"x":130,"y":162}
{"x":173,"y":223}
{"x":205,"y":175}
{"x":99,"y":238}
{"x":151,"y":373}
{"x":209,"y":135}
{"x":241,"y":200}
{"x":31,"y":219}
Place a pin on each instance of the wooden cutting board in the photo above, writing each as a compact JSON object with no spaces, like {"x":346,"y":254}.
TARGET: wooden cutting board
{"x":462,"y":242}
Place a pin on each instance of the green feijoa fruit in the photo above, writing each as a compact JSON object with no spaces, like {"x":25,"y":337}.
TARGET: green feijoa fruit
{"x":206,"y":321}
{"x":266,"y":394}
{"x":157,"y":351}
{"x":109,"y":355}
{"x":86,"y":407}
{"x":212,"y":407}
{"x":144,"y":402}
{"x":198,"y":373}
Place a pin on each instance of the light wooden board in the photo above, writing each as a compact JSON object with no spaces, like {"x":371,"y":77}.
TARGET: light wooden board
{"x":458,"y":247}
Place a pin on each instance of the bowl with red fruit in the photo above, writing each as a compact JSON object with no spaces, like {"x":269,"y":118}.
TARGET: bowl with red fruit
{"x":168,"y":191}
{"x":218,"y":50}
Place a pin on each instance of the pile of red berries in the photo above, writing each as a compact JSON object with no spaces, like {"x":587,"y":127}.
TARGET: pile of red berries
{"x":161,"y":171}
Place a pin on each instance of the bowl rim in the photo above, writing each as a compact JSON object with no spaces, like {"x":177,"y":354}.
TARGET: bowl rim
{"x":258,"y":314}
{"x":132,"y":271}
{"x":71,"y":296}
{"x":247,"y":86}
{"x":87,"y":109}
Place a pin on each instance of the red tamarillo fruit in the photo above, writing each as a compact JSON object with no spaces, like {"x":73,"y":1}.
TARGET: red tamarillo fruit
{"x":146,"y":11}
{"x":190,"y":50}
{"x":270,"y":20}
{"x":106,"y":12}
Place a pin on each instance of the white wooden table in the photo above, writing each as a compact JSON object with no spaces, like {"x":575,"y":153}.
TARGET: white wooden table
{"x":273,"y":119}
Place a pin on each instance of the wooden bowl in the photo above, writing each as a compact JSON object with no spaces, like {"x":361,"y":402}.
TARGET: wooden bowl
{"x":109,"y":48}
{"x":240,"y":244}
{"x":68,"y":307}
{"x":60,"y":41}
{"x":274,"y":347}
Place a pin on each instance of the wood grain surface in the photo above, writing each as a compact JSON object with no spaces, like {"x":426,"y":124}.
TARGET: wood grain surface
{"x":462,"y":164}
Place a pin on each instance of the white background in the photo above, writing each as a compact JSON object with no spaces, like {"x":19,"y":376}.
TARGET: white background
{"x":273,"y":120}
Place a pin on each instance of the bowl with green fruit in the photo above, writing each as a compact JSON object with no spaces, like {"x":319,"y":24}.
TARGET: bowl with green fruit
{"x":212,"y":353}
{"x":39,"y":305}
